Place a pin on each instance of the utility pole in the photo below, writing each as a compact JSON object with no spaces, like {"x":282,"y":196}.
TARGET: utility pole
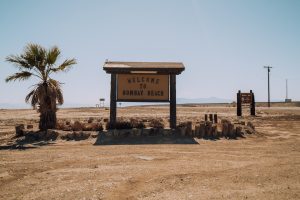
{"x":268,"y":67}
{"x":286,"y":89}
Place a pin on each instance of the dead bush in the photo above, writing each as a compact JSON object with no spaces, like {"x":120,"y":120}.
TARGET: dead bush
{"x":93,"y":127}
{"x":156,"y":123}
{"x":77,"y":126}
{"x":137,"y":123}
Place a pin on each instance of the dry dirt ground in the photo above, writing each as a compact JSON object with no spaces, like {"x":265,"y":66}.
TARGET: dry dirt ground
{"x":265,"y":165}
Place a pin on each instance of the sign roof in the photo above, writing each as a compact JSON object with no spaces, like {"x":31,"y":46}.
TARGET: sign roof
{"x":156,"y":67}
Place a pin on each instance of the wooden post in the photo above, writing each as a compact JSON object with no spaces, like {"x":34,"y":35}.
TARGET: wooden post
{"x":211,"y":118}
{"x":205,"y":117}
{"x":113,"y":100}
{"x":172,"y":101}
{"x":215,"y":118}
{"x":252,"y":106}
{"x":239,"y":104}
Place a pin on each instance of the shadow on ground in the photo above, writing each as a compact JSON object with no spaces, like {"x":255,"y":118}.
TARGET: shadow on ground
{"x":102,"y":139}
{"x":24,"y":144}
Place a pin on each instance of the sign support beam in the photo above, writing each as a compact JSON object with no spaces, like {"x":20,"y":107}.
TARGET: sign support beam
{"x":113,"y":100}
{"x":172,"y":101}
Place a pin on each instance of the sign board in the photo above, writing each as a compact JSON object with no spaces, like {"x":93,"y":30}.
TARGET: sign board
{"x":142,"y":87}
{"x":246,"y":98}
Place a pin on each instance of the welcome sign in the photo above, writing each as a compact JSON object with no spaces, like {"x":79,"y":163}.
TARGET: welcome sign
{"x":142,"y":87}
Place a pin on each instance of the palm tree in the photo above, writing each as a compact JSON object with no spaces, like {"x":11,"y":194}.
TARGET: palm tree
{"x":36,"y":61}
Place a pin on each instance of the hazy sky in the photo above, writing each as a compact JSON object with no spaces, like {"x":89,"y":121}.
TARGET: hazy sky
{"x":223,"y":44}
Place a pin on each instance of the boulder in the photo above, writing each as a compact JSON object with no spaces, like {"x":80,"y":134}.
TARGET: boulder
{"x":95,"y":134}
{"x":77,"y":135}
{"x":29,"y":126}
{"x":181,"y":130}
{"x":51,"y":134}
{"x":226,"y":127}
{"x":85,"y":135}
{"x":208,"y":129}
{"x":197,"y":130}
{"x":90,"y":120}
{"x":250,"y":124}
{"x":70,"y":136}
{"x":238,"y":131}
{"x":145,"y":132}
{"x":202,"y":130}
{"x":167,"y":132}
{"x":231,"y":131}
{"x":214,"y":130}
{"x":77,"y":126}
{"x":20,"y":130}
{"x":41,"y":135}
{"x":189,"y":129}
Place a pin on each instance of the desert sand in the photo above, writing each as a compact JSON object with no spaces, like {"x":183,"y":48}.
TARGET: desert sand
{"x":264,"y":165}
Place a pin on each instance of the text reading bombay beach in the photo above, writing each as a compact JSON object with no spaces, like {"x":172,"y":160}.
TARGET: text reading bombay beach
{"x":143,"y":87}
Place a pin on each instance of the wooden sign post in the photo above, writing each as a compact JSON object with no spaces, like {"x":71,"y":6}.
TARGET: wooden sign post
{"x":143,"y":82}
{"x":245,"y":99}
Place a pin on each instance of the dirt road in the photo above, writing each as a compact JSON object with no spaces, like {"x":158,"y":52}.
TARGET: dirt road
{"x":265,"y":165}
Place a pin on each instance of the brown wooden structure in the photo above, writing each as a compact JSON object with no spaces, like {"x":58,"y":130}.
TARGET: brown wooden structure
{"x":144,"y":73}
{"x":245,"y":99}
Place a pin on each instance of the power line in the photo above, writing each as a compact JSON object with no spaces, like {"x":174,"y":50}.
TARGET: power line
{"x":268,"y":67}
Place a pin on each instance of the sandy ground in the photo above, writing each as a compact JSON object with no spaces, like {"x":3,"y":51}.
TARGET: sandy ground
{"x":265,"y":165}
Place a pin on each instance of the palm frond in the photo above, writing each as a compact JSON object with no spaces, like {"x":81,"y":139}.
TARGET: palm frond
{"x":36,"y":54}
{"x":52,"y":55}
{"x":65,"y":66}
{"x":19,"y":61}
{"x":24,"y":75}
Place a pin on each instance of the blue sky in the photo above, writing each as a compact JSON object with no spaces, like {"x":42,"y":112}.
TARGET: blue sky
{"x":224,"y":44}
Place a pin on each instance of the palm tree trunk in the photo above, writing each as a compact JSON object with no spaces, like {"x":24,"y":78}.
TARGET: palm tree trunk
{"x":47,"y":120}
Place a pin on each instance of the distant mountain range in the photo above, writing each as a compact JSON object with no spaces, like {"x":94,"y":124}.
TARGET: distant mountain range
{"x":72,"y":105}
{"x":203,"y":100}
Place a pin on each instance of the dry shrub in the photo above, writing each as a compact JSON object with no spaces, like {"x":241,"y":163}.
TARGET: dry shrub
{"x":156,"y":123}
{"x":182,"y":124}
{"x":120,"y":124}
{"x":137,"y":123}
{"x":62,"y":125}
{"x":93,"y":127}
{"x":77,"y":126}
